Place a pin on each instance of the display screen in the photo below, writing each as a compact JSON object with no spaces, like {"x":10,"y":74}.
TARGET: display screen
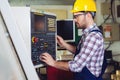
{"x":39,"y":24}
{"x":66,"y":29}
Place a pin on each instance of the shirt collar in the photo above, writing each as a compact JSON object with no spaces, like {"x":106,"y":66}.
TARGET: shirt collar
{"x":86,"y":31}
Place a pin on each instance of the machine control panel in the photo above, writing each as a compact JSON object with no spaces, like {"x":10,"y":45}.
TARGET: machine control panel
{"x":43,"y":32}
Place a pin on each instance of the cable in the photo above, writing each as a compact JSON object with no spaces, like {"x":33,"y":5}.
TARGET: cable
{"x":110,"y":43}
{"x":112,"y":10}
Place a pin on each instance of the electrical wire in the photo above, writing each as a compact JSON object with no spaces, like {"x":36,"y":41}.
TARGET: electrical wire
{"x":110,"y":43}
{"x":112,"y":10}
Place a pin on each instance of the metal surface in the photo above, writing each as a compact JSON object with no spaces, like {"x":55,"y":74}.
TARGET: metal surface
{"x":17,"y":40}
{"x":42,"y":2}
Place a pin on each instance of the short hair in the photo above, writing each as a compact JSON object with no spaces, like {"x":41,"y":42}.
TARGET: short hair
{"x":92,"y":13}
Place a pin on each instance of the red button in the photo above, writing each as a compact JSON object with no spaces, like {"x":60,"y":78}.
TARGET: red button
{"x":35,"y":39}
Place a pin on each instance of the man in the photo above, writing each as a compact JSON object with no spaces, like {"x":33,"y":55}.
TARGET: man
{"x":89,"y":54}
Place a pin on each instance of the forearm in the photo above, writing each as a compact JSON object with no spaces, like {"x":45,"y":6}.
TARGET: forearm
{"x":70,"y":48}
{"x":61,"y":65}
{"x":47,"y":58}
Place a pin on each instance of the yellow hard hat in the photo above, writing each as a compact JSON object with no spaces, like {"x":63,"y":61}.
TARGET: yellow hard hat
{"x":84,"y":5}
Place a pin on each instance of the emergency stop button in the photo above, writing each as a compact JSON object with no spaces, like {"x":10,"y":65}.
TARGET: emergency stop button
{"x":34,"y":39}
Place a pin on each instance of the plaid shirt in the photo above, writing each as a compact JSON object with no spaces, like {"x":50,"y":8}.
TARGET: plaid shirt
{"x":91,"y":54}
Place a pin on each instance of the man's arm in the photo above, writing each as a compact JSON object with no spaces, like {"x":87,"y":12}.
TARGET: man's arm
{"x":61,"y":65}
{"x":65,"y":45}
{"x":45,"y":57}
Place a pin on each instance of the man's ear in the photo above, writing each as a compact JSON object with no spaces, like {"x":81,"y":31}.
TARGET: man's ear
{"x":89,"y":15}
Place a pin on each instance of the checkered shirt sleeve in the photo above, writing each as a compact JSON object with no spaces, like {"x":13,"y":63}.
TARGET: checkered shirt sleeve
{"x":91,"y":55}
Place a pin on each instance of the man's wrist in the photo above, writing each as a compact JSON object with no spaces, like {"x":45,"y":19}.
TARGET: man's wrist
{"x":54,"y":63}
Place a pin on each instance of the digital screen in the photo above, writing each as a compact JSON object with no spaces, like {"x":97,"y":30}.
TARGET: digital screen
{"x":39,"y":23}
{"x":66,"y":29}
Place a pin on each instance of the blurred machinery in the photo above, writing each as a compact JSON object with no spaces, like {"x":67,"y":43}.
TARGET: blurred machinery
{"x":111,"y":31}
{"x":112,"y":65}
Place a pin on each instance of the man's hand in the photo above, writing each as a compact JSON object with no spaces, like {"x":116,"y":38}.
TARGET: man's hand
{"x":47,"y":58}
{"x":60,"y":41}
{"x":65,"y":45}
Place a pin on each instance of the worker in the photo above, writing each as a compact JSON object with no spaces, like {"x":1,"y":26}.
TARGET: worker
{"x":88,"y":62}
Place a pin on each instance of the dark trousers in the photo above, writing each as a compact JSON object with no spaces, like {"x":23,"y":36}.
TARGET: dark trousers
{"x":85,"y":74}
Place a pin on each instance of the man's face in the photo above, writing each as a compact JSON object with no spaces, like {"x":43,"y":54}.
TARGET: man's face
{"x":80,"y":19}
